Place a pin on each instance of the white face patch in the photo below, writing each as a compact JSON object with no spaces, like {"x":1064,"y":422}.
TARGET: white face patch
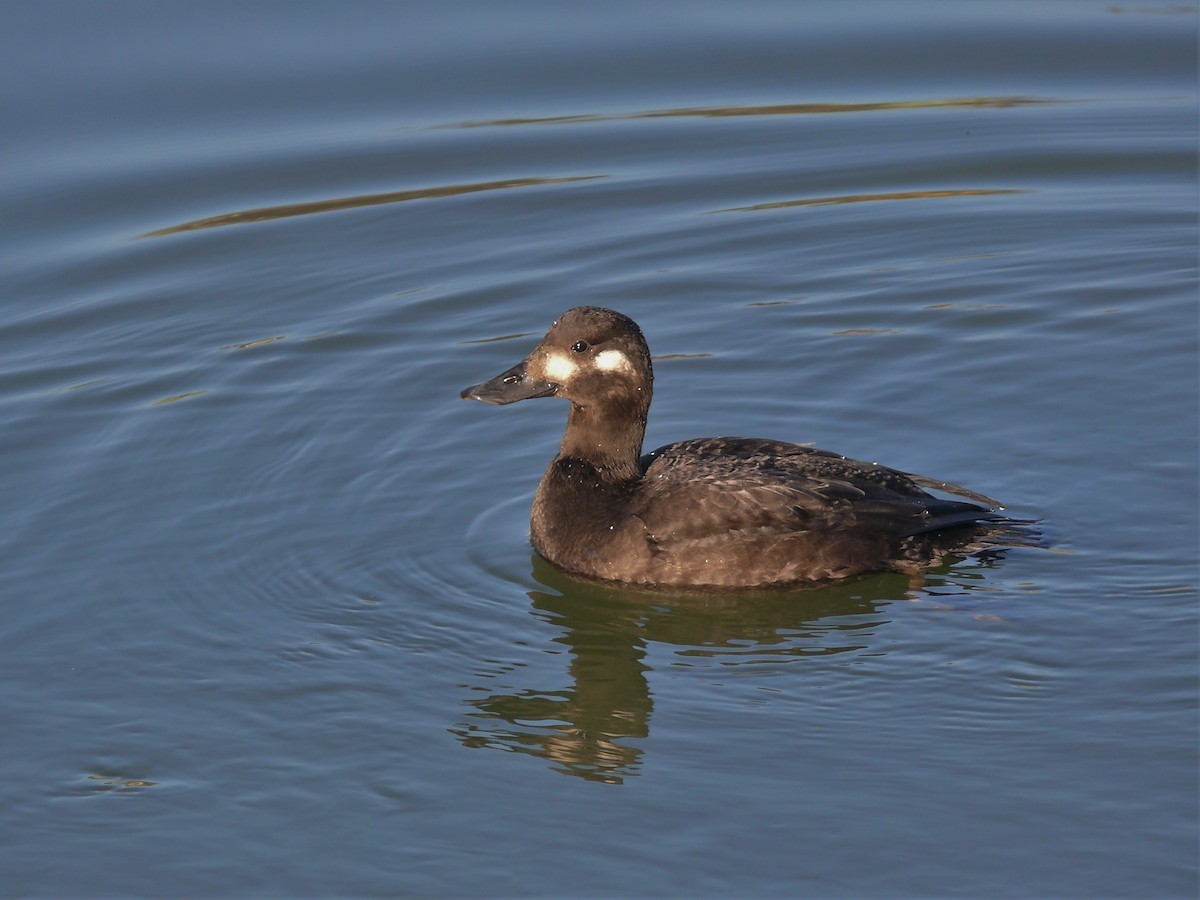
{"x":559,"y":368}
{"x":613,"y":361}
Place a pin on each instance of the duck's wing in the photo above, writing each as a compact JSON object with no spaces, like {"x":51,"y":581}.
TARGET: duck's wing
{"x":792,"y":460}
{"x":950,"y":488}
{"x":712,"y":486}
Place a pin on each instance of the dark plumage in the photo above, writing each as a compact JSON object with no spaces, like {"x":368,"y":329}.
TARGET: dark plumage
{"x":717,"y":513}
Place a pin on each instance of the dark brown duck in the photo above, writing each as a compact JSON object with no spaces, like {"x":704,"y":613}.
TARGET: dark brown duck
{"x":717,"y":513}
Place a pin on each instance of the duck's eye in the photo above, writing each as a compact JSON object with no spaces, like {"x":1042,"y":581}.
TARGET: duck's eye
{"x":579,"y":346}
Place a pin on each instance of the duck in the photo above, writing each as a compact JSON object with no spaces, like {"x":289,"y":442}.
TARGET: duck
{"x":715,"y":513}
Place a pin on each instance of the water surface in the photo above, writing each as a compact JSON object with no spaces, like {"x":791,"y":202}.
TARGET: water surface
{"x":271,"y":619}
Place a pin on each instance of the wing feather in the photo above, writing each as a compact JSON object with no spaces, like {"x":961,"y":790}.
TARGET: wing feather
{"x":699,"y":489}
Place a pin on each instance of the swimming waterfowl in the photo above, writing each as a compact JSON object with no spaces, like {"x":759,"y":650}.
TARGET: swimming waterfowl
{"x":720,"y":513}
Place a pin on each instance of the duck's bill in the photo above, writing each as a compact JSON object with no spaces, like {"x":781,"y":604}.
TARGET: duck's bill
{"x":509,"y":387}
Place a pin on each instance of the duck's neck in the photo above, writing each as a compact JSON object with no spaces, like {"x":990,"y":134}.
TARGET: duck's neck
{"x":609,"y":437}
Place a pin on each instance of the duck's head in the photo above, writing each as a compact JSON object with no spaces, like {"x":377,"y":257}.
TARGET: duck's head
{"x":590,"y":356}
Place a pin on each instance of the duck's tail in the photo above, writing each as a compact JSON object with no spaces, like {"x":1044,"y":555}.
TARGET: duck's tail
{"x":978,"y":535}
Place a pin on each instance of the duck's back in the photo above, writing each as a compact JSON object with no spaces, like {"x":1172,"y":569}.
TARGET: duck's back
{"x":742,"y":511}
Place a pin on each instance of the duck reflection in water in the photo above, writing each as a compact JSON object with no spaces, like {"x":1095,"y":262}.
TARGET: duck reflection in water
{"x":596,"y":726}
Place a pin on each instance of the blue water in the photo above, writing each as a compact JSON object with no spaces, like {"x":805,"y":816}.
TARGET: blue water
{"x":271,"y":621}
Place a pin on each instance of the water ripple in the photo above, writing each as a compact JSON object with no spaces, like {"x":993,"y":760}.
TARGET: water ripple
{"x":287,"y":210}
{"x":773,"y":109}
